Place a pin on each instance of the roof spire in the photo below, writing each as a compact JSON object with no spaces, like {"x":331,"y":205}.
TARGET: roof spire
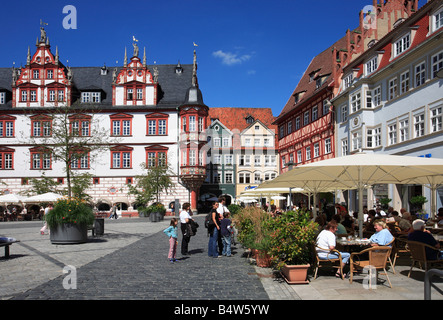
{"x":194,"y":71}
{"x":144,"y":57}
{"x":125,"y":61}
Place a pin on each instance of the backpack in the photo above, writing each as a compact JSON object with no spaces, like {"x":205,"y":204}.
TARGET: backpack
{"x":208,"y":221}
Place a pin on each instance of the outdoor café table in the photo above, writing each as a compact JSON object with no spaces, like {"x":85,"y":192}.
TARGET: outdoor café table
{"x":437,"y":237}
{"x":434,"y":230}
{"x":353,"y":244}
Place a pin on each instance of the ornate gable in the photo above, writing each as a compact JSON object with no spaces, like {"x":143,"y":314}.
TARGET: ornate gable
{"x":135,"y":85}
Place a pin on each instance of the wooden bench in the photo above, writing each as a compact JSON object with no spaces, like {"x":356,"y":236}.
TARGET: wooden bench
{"x":6,"y":242}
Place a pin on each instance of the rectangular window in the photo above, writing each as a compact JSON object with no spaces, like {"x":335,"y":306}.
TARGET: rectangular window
{"x":438,"y":20}
{"x":152,"y":127}
{"x":344,"y":147}
{"x":402,"y":45}
{"x":192,"y":158}
{"x":6,"y":160}
{"x":162,"y":127}
{"x":326,"y":107}
{"x":420,"y":74}
{"x":328,"y":146}
{"x":316,"y":150}
{"x":437,"y":63}
{"x":200,"y":124}
{"x":139,"y":94}
{"x":290,"y":127}
{"x":86,"y":97}
{"x":376,"y":97}
{"x":2,"y":97}
{"x":371,"y":65}
{"x":229,"y":159}
{"x":95,"y":96}
{"x":314,"y":113}
{"x":306,"y":118}
{"x":297,"y":123}
{"x":257,"y":178}
{"x":403,"y":130}
{"x":34,"y":96}
{"x":228,"y":177}
{"x":217,"y":142}
{"x":419,"y":125}
{"x":356,"y":102}
{"x":404,"y":82}
{"x":35,"y":74}
{"x":373,"y":137}
{"x":392,"y":88}
{"x":392,"y":134}
{"x":192,"y":123}
{"x":130,"y":94}
{"x":344,"y":113}
{"x":356,"y":141}
{"x":50,"y":74}
{"x":6,"y":129}
{"x":61,"y":95}
{"x":299,"y":156}
{"x":80,"y":162}
{"x":436,"y":119}
{"x":40,"y":161}
{"x":24,"y":96}
{"x":347,"y":81}
{"x":51,"y":95}
{"x":257,"y":160}
{"x":308,"y":153}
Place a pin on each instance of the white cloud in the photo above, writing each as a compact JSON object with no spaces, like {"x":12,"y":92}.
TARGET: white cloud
{"x":229,"y":58}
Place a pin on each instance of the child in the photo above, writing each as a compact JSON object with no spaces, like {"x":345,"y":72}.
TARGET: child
{"x":171,"y":232}
{"x":225,"y":227}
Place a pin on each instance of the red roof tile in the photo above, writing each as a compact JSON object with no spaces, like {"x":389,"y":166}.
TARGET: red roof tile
{"x":235,"y":118}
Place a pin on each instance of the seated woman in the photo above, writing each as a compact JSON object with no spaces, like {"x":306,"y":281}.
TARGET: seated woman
{"x":382,"y":235}
{"x":326,"y":240}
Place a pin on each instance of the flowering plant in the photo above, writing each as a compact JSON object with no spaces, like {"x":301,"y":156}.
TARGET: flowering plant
{"x":74,"y":211}
{"x":291,"y":238}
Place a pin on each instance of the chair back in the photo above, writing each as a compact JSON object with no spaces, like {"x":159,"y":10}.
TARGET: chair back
{"x":417,"y":250}
{"x":378,"y":256}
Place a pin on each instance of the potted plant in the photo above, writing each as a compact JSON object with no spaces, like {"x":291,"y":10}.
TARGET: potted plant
{"x":418,"y":202}
{"x":68,"y":221}
{"x":384,"y":202}
{"x":291,"y":241}
{"x":156,"y":211}
{"x":251,"y":223}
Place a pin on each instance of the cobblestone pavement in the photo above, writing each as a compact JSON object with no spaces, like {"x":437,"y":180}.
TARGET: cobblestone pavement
{"x":129,"y":262}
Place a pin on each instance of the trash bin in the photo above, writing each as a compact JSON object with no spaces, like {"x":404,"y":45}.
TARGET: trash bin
{"x":99,"y":225}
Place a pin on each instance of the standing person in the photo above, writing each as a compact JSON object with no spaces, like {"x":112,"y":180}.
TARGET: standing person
{"x":113,"y":213}
{"x":213,"y":231}
{"x":45,"y":226}
{"x":171,"y":232}
{"x":225,"y":229}
{"x":185,"y":218}
{"x":221,"y":210}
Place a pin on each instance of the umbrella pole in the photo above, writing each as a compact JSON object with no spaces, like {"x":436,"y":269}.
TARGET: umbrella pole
{"x":360,"y":204}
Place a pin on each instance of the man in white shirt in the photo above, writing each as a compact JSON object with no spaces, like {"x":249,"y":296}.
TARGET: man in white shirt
{"x":221,"y":210}
{"x":185,"y":217}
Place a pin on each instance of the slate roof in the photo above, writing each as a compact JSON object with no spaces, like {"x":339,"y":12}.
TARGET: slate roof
{"x":171,"y":91}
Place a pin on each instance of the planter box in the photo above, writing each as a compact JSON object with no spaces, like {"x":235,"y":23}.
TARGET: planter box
{"x":69,"y":234}
{"x":295,"y":274}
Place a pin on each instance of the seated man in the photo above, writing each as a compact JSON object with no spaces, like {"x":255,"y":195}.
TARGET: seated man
{"x":421,"y":235}
{"x":326,"y":240}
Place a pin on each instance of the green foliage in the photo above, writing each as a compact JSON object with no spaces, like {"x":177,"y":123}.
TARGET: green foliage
{"x":251,"y":222}
{"x":150,"y":185}
{"x":74,"y":211}
{"x":291,"y":237}
{"x":41,"y":185}
{"x":385,"y":201}
{"x":418,"y":200}
{"x":234,"y":209}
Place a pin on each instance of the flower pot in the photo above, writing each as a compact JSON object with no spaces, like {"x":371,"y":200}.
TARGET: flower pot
{"x":69,"y":234}
{"x":295,"y":274}
{"x":262,"y":259}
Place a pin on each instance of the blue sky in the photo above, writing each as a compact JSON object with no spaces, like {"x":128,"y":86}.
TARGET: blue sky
{"x":251,"y":53}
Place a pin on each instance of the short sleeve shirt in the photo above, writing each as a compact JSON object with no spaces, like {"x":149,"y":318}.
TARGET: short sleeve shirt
{"x":325,"y":240}
{"x":183,"y":216}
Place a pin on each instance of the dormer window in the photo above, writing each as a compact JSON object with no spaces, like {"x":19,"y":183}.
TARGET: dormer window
{"x":2,"y":97}
{"x":438,"y":20}
{"x":103,"y":71}
{"x":88,"y":97}
{"x":250,"y":119}
{"x":371,"y":65}
{"x":318,"y":83}
{"x":402,"y":44}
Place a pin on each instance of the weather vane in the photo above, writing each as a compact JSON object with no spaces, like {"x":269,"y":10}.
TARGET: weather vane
{"x":42,"y":23}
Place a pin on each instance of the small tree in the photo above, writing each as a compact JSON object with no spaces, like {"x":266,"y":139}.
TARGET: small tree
{"x":75,"y":135}
{"x":149,"y":186}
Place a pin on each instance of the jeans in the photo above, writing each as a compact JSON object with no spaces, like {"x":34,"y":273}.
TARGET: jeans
{"x":344,"y":256}
{"x":226,"y":245}
{"x":212,"y":245}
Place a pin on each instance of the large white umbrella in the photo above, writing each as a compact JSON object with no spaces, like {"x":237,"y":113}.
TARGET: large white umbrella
{"x":11,"y":198}
{"x":359,"y":171}
{"x":44,"y":197}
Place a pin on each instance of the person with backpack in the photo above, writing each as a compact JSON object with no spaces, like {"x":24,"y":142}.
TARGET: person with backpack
{"x":213,"y":225}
